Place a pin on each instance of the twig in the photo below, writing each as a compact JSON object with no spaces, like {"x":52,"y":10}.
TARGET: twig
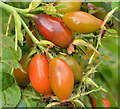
{"x":8,"y":25}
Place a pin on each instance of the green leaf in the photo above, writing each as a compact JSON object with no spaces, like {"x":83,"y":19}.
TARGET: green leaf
{"x":9,"y":55}
{"x":18,"y":31}
{"x":25,"y":48}
{"x":108,"y":16}
{"x":113,"y":102}
{"x":98,"y":95}
{"x":7,"y":80}
{"x":87,"y":101}
{"x":60,"y":7}
{"x":19,"y":4}
{"x":33,"y":5}
{"x":32,"y":53}
{"x":37,"y":103}
{"x":108,"y":8}
{"x":21,"y":104}
{"x":11,"y":96}
{"x":31,"y":99}
{"x":111,"y":31}
{"x":97,"y":4}
{"x":80,"y":42}
{"x":4,"y":22}
{"x":27,"y":102}
{"x":29,"y":93}
{"x":114,"y":5}
{"x":4,"y":67}
{"x":99,"y":103}
{"x":95,"y":11}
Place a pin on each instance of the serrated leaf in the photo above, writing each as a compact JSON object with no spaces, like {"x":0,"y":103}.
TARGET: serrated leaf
{"x":80,"y":42}
{"x":7,"y":80}
{"x":4,"y":21}
{"x":4,"y":67}
{"x":9,"y":55}
{"x":10,"y":59}
{"x":78,"y":103}
{"x":18,"y":31}
{"x":9,"y":42}
{"x":11,"y":96}
{"x":33,"y":5}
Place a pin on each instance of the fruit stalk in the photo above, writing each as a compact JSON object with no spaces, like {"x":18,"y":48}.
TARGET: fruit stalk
{"x":11,"y":8}
{"x":29,"y":32}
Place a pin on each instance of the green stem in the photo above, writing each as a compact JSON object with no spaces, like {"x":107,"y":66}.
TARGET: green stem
{"x":10,"y":8}
{"x":79,"y":87}
{"x":8,"y":25}
{"x":79,"y":95}
{"x":45,"y":43}
{"x":36,"y":9}
{"x":29,"y":32}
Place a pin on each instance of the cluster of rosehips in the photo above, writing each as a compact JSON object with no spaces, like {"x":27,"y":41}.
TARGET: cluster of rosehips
{"x":58,"y":75}
{"x":61,"y":72}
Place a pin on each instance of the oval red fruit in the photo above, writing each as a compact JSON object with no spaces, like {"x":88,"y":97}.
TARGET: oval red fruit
{"x":61,"y":78}
{"x":53,"y":29}
{"x":22,"y":78}
{"x":39,"y":74}
{"x":28,"y":39}
{"x":82,"y":22}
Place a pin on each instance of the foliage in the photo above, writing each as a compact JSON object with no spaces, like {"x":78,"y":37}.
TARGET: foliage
{"x":100,"y":72}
